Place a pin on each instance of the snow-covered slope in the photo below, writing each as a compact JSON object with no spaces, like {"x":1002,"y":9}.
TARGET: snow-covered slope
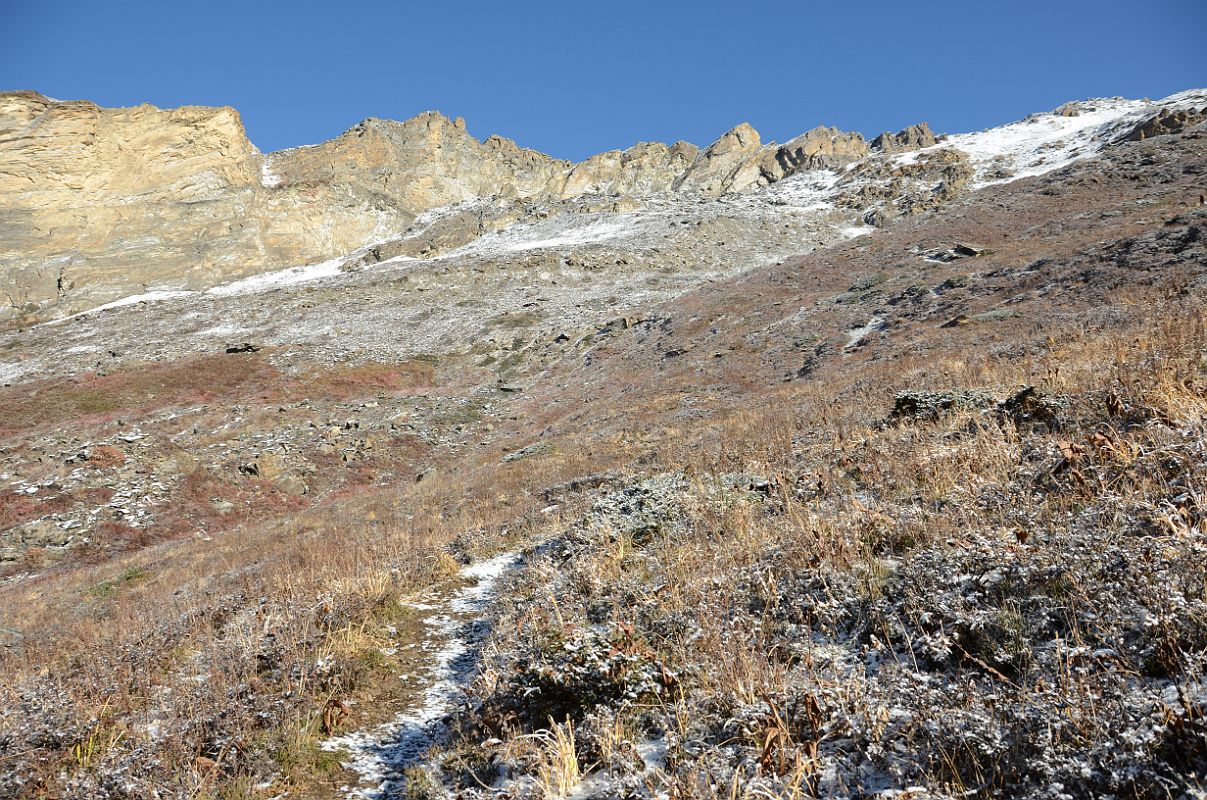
{"x":1047,"y":141}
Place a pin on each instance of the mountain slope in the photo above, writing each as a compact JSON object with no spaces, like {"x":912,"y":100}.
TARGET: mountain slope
{"x":758,"y":511}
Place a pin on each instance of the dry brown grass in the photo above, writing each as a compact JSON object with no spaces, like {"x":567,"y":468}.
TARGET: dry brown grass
{"x":258,"y":606}
{"x":731,"y":596}
{"x":253,"y":607}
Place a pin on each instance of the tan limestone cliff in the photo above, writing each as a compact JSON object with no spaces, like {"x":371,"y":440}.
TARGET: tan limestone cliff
{"x":97,"y":204}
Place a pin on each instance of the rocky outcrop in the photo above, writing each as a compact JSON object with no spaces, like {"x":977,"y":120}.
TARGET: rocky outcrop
{"x":101,"y":203}
{"x":915,"y":137}
{"x":98,"y":204}
{"x":739,"y":161}
{"x":730,"y":164}
{"x":885,"y":190}
{"x":424,"y":162}
{"x":1165,"y":122}
{"x":644,"y":169}
{"x":820,"y":148}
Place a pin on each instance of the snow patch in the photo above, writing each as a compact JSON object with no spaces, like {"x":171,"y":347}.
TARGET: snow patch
{"x":146,"y":297}
{"x":1047,"y":141}
{"x":809,"y":190}
{"x":856,"y":230}
{"x":856,"y":335}
{"x":284,"y":277}
{"x":1044,"y":142}
{"x":268,"y":178}
{"x":380,"y":755}
{"x":11,"y":371}
{"x":564,"y":231}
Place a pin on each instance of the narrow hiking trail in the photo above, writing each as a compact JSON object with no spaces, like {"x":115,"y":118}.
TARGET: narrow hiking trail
{"x":455,"y":623}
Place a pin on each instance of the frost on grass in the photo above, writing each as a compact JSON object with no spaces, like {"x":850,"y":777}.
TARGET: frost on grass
{"x":1038,"y":634}
{"x":381,"y":756}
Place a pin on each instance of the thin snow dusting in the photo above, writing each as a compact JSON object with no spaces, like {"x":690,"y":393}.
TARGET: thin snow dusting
{"x":222,"y":330}
{"x":856,"y":230}
{"x":11,"y":371}
{"x":283,"y":277}
{"x":1050,"y":140}
{"x":268,"y":178}
{"x":146,"y":297}
{"x":1032,"y":146}
{"x":1044,"y":142}
{"x":380,"y":755}
{"x":809,"y":190}
{"x":564,"y":231}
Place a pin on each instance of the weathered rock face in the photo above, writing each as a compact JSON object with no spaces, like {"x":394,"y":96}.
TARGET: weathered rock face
{"x":644,"y":169}
{"x":820,"y":148}
{"x":886,"y":190}
{"x":730,"y":164}
{"x":418,"y":164}
{"x":739,"y":161}
{"x":915,"y":137}
{"x":99,"y":203}
{"x":1166,"y":121}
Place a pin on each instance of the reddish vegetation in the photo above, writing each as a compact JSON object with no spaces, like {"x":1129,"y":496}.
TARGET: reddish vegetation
{"x":16,"y":508}
{"x":93,"y":398}
{"x":96,"y":496}
{"x":754,"y":376}
{"x":110,"y":538}
{"x":194,"y":507}
{"x":342,"y":383}
{"x":104,"y":455}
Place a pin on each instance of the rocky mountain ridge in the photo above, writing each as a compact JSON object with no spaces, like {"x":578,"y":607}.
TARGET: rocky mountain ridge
{"x":100,"y":203}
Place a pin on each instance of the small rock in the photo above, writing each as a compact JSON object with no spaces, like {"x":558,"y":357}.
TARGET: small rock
{"x":291,"y":484}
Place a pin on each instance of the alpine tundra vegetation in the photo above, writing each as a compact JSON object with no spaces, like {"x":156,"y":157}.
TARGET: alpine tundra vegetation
{"x":416,"y":465}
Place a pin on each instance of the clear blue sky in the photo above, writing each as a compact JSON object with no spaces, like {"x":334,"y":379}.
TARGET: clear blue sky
{"x":574,"y":78}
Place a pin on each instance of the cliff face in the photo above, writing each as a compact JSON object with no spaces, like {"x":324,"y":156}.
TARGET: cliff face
{"x":98,"y":204}
{"x":426,"y":161}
